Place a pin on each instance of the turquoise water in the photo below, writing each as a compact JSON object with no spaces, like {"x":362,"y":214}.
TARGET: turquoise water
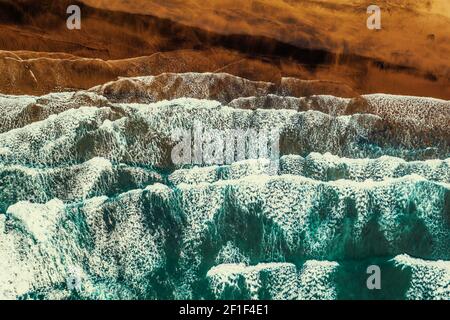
{"x":90,"y":195}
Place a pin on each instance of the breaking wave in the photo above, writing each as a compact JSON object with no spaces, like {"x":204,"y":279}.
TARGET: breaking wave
{"x":88,"y":191}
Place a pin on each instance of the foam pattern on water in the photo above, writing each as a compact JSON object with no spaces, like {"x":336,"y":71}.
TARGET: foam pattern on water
{"x":172,"y":237}
{"x":142,"y":134}
{"x":70,"y":183}
{"x":92,"y":207}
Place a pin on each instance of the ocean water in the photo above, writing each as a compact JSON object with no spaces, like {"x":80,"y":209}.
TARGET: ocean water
{"x":92,"y":207}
